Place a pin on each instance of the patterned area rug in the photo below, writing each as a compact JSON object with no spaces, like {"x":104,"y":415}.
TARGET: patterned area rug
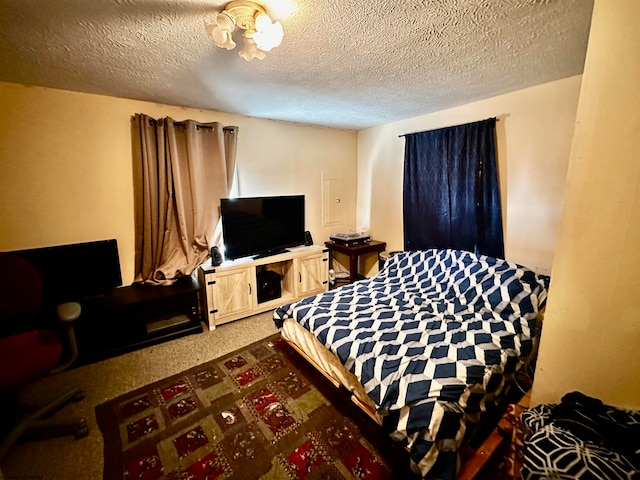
{"x":260,"y":412}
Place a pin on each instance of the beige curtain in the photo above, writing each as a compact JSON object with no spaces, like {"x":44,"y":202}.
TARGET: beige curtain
{"x":181,"y":170}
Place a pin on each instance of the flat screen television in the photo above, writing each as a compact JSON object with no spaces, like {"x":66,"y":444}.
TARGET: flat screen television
{"x":261,"y":226}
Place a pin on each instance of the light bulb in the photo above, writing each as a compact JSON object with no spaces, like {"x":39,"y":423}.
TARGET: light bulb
{"x":268,"y":34}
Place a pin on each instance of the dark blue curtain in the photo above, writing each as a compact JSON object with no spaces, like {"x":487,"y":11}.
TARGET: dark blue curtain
{"x":451,"y":196}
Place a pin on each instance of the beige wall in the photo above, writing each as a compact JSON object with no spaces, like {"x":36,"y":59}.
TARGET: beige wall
{"x":534,"y":139}
{"x":66,"y":173}
{"x":591,"y":336}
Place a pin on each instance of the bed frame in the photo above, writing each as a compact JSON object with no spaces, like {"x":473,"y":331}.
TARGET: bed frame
{"x":336,"y":383}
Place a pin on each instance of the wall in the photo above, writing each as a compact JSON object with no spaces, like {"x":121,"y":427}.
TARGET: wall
{"x":592,"y":325}
{"x":534,"y":134}
{"x":66,"y":173}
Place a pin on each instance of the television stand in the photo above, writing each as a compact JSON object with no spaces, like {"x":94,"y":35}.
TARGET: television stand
{"x":233,"y":290}
{"x":136,"y":316}
{"x":270,"y":253}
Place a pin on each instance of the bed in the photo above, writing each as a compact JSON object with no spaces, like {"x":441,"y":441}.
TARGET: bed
{"x":425,"y":346}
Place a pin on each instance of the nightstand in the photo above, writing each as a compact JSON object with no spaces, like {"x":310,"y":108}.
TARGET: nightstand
{"x":354,"y":252}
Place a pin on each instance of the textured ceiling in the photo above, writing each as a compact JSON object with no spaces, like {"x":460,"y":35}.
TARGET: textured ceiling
{"x":343,"y":63}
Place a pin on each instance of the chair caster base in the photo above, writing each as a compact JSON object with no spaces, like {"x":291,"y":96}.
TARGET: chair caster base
{"x":81,"y":431}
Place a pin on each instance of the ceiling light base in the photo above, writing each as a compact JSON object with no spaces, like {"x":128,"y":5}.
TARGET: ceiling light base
{"x":261,"y":34}
{"x":244,"y":13}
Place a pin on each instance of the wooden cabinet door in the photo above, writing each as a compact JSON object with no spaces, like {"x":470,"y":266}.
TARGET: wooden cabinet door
{"x":232,"y":294}
{"x":313,"y":274}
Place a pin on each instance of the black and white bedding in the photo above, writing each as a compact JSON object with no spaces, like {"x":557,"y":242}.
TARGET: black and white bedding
{"x":433,"y":338}
{"x":581,"y":438}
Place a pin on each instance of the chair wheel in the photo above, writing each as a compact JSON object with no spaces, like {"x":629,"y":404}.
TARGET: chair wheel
{"x":78,"y":396}
{"x":81,"y":431}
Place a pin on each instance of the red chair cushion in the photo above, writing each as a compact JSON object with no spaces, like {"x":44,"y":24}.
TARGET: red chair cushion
{"x":28,"y":356}
{"x":20,"y":286}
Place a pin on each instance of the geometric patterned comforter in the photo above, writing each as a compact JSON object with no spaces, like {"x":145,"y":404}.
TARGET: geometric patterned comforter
{"x":433,"y":337}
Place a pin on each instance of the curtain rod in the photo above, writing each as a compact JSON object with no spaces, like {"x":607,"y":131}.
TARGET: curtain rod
{"x":411,"y":133}
{"x":198,"y":125}
{"x":205,"y":126}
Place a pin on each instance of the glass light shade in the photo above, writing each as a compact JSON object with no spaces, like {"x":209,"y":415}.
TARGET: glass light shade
{"x":268,"y":34}
{"x":250,"y":50}
{"x":222,"y":30}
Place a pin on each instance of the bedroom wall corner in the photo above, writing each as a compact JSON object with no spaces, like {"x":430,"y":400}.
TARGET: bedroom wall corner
{"x":534,"y":140}
{"x":591,"y":331}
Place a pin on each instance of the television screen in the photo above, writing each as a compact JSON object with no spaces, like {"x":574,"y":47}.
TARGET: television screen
{"x":261,"y":225}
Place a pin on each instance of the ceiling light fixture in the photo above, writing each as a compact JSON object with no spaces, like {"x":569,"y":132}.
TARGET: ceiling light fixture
{"x":261,"y":34}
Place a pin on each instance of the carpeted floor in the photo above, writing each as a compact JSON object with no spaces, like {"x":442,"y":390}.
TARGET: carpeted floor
{"x":66,"y":458}
{"x":254,"y":413}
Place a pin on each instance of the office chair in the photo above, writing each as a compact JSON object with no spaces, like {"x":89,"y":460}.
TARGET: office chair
{"x":30,"y":348}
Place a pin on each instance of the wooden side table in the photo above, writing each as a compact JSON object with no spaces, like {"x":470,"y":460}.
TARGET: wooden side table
{"x":354,"y":252}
